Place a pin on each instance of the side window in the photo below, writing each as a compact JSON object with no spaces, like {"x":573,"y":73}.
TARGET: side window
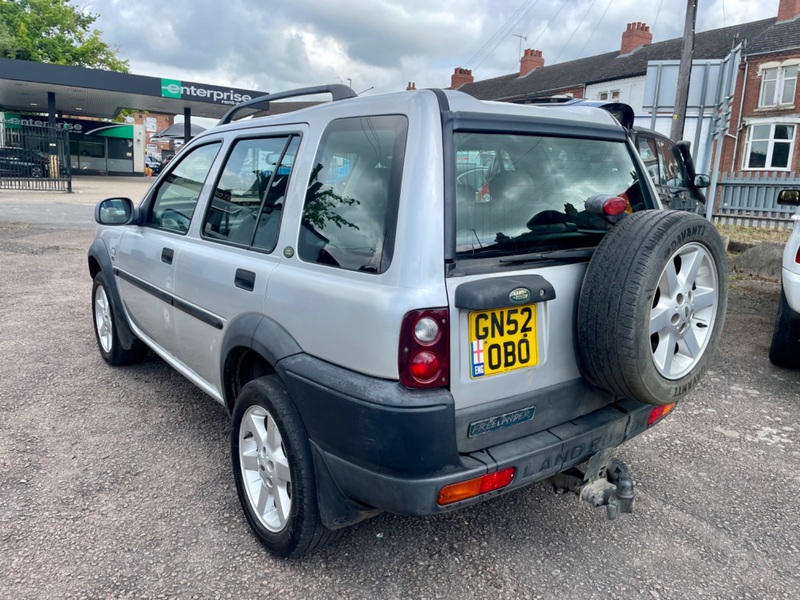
{"x":673,"y":174}
{"x":251,"y":190}
{"x":350,"y":212}
{"x":647,"y":150}
{"x":177,"y":195}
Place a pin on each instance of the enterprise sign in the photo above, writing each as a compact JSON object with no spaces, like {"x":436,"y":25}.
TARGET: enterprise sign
{"x":172,"y":88}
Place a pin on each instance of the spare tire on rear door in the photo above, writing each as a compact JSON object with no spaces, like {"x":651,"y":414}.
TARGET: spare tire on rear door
{"x":652,"y":306}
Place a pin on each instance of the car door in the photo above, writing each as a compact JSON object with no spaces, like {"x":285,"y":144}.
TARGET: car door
{"x":145,"y":262}
{"x":667,"y":172}
{"x":223,"y":272}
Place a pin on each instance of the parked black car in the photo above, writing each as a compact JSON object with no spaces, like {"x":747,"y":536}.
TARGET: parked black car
{"x":671,"y":168}
{"x":18,"y":162}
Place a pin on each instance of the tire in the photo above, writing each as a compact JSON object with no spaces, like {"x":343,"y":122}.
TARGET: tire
{"x":784,"y":350}
{"x":274,"y":470}
{"x":37,"y":172}
{"x":652,"y":306}
{"x":105,"y":328}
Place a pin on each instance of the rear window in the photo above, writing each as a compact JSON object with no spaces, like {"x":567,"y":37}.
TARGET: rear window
{"x":522,"y":193}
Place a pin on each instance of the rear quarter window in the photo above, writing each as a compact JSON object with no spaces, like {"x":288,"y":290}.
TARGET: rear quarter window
{"x":350,"y":211}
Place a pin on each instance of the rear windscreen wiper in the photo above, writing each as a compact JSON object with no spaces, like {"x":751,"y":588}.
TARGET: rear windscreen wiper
{"x":566,"y":254}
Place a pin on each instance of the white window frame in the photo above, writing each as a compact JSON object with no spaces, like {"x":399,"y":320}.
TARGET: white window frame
{"x":771,"y":123}
{"x":776,"y":73}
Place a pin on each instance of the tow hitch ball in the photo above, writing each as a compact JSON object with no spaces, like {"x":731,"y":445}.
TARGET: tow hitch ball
{"x":605,"y":483}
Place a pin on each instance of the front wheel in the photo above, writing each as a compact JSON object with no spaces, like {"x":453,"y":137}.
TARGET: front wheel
{"x":105,"y":329}
{"x":652,"y":306}
{"x":274,"y":470}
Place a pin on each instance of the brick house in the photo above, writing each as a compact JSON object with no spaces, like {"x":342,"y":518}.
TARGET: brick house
{"x":764,"y":130}
{"x":765,"y":124}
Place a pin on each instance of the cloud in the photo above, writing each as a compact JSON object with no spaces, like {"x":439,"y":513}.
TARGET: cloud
{"x":380,"y":44}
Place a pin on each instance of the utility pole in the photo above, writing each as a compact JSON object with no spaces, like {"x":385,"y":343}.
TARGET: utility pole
{"x":684,"y":72}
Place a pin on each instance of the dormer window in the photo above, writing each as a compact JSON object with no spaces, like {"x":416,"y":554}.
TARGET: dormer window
{"x":778,"y":86}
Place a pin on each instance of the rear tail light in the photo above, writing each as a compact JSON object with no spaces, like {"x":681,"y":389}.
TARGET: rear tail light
{"x":424,"y":353}
{"x":797,"y":256}
{"x":475,"y":487}
{"x":610,"y":206}
{"x":659,"y":413}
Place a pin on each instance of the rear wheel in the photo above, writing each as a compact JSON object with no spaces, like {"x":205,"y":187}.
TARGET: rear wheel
{"x":37,"y":171}
{"x":785,"y":348}
{"x":652,"y":306}
{"x":274,"y":470}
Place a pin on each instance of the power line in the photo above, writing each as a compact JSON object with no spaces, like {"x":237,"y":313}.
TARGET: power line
{"x":522,"y":16}
{"x":586,"y":14}
{"x":550,"y":22}
{"x":658,"y":12}
{"x":595,"y":28}
{"x":500,"y":33}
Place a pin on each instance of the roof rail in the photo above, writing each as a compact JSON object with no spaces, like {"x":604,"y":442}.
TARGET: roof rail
{"x":336,"y":90}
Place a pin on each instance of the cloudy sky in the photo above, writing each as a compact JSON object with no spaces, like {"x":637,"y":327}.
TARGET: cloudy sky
{"x":380,"y":45}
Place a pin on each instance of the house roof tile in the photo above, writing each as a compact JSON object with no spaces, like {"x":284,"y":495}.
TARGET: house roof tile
{"x":611,"y":66}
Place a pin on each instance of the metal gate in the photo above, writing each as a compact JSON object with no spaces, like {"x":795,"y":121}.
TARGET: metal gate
{"x":34,"y":157}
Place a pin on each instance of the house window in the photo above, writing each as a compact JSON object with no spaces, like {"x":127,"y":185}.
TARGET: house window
{"x":778,"y":86}
{"x":769,"y":146}
{"x":612,"y":95}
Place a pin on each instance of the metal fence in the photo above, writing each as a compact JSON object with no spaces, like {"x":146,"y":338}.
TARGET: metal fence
{"x":34,"y":157}
{"x":751,"y":199}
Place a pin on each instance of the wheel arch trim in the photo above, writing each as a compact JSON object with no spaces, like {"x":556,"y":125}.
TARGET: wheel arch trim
{"x":98,"y":253}
{"x":258,"y":333}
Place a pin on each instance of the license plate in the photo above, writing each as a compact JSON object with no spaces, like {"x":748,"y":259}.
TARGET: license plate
{"x":502,"y":340}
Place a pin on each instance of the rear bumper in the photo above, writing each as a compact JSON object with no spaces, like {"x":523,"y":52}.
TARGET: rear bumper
{"x":393,"y":449}
{"x":534,"y":457}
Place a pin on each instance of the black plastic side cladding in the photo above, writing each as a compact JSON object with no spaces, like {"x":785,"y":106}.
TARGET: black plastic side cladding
{"x":260,"y":334}
{"x":371,"y":422}
{"x":99,"y":252}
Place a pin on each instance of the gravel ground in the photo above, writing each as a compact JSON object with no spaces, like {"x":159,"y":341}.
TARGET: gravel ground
{"x":116,"y":483}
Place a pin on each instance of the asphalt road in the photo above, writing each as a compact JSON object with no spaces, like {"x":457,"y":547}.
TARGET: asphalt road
{"x":116,"y":482}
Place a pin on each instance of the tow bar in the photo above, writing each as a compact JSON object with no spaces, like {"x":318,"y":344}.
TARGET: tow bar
{"x":606,"y":482}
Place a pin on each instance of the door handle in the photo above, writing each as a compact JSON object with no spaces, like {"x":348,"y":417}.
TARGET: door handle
{"x":245,"y":280}
{"x":166,"y":255}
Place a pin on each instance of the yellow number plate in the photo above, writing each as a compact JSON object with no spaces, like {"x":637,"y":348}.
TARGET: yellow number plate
{"x":502,"y":340}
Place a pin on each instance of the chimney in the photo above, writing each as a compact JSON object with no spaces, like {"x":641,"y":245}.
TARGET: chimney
{"x":460,"y":77}
{"x":635,"y":36}
{"x":788,"y":10}
{"x":411,"y":86}
{"x":531,"y":59}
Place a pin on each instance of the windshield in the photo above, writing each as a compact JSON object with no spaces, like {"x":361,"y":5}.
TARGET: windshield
{"x":522,"y":193}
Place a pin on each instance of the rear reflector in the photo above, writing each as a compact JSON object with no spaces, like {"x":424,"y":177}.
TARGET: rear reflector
{"x":659,"y":413}
{"x":475,"y":487}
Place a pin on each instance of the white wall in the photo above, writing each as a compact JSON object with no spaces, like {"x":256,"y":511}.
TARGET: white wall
{"x":631,"y":91}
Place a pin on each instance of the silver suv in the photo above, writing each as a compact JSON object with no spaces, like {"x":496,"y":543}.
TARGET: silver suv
{"x":412,"y":302}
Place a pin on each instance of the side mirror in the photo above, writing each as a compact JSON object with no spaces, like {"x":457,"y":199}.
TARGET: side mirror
{"x":789,"y":197}
{"x":701,"y":181}
{"x":114,"y":211}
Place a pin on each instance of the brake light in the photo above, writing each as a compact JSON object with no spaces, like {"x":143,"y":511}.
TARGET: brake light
{"x":614,"y":205}
{"x":424,"y":352}
{"x":797,"y":256}
{"x":610,"y":206}
{"x":659,"y":413}
{"x":475,"y":487}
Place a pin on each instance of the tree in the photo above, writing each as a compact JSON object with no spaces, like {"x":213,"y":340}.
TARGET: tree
{"x":54,"y":31}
